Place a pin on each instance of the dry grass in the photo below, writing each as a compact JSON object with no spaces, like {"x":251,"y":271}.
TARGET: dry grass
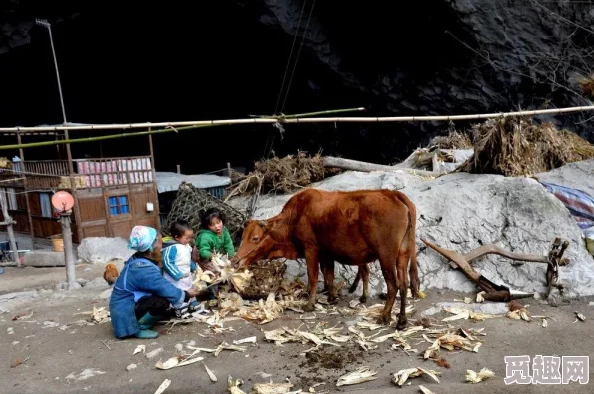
{"x":454,"y":140}
{"x":587,"y":85}
{"x":284,"y":175}
{"x":519,"y":146}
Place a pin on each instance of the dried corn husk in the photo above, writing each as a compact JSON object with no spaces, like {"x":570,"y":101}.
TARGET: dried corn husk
{"x":233,"y":385}
{"x":519,"y":314}
{"x":483,"y":374}
{"x":580,"y":316}
{"x":245,"y":340}
{"x":450,"y":342}
{"x":163,"y":386}
{"x":479,"y":297}
{"x":361,"y":375}
{"x":271,"y":388}
{"x":425,"y":390}
{"x":211,"y":374}
{"x":139,"y":348}
{"x":544,"y":323}
{"x":400,"y":377}
{"x":177,"y":362}
{"x":461,"y":313}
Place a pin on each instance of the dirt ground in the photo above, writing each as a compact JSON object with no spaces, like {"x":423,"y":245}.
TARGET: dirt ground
{"x":55,"y":358}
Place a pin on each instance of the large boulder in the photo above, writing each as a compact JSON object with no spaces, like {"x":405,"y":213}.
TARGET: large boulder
{"x":462,"y":212}
{"x":103,"y":249}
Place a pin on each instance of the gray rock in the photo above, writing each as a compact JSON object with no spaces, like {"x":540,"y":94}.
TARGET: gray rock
{"x":462,"y":212}
{"x":105,"y":294}
{"x":103,"y":249}
{"x":578,"y":175}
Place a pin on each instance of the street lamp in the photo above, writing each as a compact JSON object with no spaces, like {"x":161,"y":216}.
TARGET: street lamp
{"x":46,"y":24}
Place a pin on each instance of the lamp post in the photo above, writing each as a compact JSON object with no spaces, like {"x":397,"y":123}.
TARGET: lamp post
{"x":46,"y":24}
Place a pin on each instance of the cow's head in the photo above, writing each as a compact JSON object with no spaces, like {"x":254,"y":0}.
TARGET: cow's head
{"x":265,"y":240}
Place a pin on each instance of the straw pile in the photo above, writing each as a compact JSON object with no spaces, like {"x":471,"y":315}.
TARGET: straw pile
{"x":454,"y":140}
{"x":284,"y":175}
{"x":587,"y":85}
{"x":519,"y":147}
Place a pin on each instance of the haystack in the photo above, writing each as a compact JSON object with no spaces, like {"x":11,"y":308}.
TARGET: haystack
{"x":454,"y":140}
{"x":519,"y":146}
{"x":284,"y":175}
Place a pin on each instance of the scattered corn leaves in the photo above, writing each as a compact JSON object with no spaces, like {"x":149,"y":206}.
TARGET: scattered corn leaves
{"x":518,"y":314}
{"x":450,"y":342}
{"x":580,"y":316}
{"x":361,"y":375}
{"x":178,"y":361}
{"x":479,"y":297}
{"x":400,"y":377}
{"x":544,"y":323}
{"x":474,"y":377}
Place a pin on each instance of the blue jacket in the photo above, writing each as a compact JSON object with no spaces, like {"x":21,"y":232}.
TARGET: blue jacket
{"x":139,"y":277}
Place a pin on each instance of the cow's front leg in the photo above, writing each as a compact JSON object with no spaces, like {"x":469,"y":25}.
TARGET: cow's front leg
{"x":313,"y":270}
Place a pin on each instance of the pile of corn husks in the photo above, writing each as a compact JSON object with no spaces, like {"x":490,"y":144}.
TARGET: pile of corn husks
{"x":224,"y":272}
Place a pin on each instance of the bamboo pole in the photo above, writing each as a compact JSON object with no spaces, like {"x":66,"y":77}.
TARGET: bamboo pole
{"x":309,"y":114}
{"x":99,"y":138}
{"x":292,"y":119}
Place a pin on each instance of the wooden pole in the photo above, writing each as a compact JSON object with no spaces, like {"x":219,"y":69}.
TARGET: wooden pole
{"x":9,"y":222}
{"x":26,"y":187}
{"x":155,"y":190}
{"x":178,"y":169}
{"x":73,"y":186}
{"x":229,"y":170}
{"x":354,"y":165}
{"x":68,"y":249}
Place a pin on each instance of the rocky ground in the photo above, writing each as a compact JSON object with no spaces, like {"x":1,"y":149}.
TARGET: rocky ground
{"x":58,"y":357}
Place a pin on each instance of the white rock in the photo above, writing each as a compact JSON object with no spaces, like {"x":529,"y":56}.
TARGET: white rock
{"x":103,"y":249}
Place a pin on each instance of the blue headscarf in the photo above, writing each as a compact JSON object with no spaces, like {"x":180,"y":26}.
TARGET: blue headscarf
{"x":142,"y":238}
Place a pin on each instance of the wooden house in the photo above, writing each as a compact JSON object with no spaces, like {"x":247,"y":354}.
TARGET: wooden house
{"x":111,"y":195}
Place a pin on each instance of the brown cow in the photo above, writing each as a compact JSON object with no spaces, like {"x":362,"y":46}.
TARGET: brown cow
{"x":353,"y":228}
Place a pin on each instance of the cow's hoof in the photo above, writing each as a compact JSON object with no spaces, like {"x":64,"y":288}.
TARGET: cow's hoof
{"x":402,"y":321}
{"x":383,"y":320}
{"x":363,"y":299}
{"x":309,"y":307}
{"x":332,"y":300}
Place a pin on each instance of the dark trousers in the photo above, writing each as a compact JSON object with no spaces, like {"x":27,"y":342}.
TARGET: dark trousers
{"x":155,"y":305}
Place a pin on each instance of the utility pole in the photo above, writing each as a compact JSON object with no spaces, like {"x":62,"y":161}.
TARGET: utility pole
{"x":46,"y":24}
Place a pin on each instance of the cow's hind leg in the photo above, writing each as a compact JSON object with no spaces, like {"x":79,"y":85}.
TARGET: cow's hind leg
{"x":364,"y":272}
{"x":402,"y":276}
{"x":313,"y":270}
{"x":389,"y":271}
{"x":328,"y":271}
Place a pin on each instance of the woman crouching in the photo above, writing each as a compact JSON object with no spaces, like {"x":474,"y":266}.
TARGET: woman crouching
{"x":141,"y":296}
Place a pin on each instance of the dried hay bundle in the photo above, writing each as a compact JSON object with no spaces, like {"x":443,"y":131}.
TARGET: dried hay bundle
{"x":283,"y":175}
{"x":454,"y":140}
{"x":267,"y":278}
{"x":519,"y":146}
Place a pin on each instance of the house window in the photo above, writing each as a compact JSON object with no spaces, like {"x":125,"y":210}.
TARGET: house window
{"x":118,"y":205}
{"x":11,"y":199}
{"x":46,"y":205}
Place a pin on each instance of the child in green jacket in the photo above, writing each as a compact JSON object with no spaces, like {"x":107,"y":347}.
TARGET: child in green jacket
{"x":214,"y":237}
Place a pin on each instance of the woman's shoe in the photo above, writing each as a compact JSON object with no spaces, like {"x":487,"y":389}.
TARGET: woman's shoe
{"x":147,"y":334}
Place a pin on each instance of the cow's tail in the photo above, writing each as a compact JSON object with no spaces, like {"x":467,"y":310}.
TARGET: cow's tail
{"x":410,"y":237}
